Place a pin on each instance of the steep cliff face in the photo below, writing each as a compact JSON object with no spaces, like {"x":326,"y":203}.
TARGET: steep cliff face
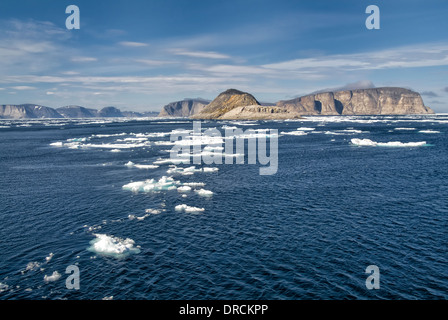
{"x":225,"y":102}
{"x":257,"y":112}
{"x":376,"y":101}
{"x":184,"y":108}
{"x":27,"y":111}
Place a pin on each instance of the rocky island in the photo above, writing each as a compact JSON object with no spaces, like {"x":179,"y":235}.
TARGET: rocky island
{"x":184,"y":108}
{"x":235,"y":104}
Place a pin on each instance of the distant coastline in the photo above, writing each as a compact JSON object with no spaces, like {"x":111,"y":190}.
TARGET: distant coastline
{"x":233,"y":104}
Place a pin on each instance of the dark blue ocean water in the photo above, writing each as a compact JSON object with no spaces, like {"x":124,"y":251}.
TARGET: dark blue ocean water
{"x":308,"y":232}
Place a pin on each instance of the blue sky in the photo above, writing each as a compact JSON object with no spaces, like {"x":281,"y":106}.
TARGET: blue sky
{"x":141,"y":55}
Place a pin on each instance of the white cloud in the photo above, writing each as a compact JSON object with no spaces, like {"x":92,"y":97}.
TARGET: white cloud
{"x":70,"y":73}
{"x":20,"y":88}
{"x":155,"y":63}
{"x":199,"y":54}
{"x":132,"y":44}
{"x":423,"y":55}
{"x":84,"y":59}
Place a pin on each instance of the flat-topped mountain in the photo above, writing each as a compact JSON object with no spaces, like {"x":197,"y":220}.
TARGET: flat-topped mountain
{"x":184,"y":108}
{"x":225,"y":102}
{"x":374,"y":101}
{"x":234,"y":104}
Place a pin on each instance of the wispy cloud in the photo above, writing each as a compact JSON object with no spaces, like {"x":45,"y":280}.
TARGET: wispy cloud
{"x":199,"y":54}
{"x":84,"y":59}
{"x":23,"y":88}
{"x":154,"y":62}
{"x":132,"y":44}
{"x":423,"y":55}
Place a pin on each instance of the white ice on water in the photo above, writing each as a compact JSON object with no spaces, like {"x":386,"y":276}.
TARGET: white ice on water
{"x":112,"y":246}
{"x":368,"y":142}
{"x":188,"y":209}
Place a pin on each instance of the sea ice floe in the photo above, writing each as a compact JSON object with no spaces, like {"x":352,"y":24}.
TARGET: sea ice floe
{"x":151,"y":185}
{"x":113,"y":246}
{"x":404,"y":129}
{"x":132,"y":139}
{"x":184,"y":189}
{"x":49,"y":257}
{"x":108,"y":135}
{"x":53,"y":277}
{"x":190,"y":170}
{"x":3,"y":287}
{"x":429,"y":131}
{"x":131,"y":164}
{"x":294,"y":133}
{"x":133,"y":216}
{"x":186,"y":208}
{"x":183,"y":171}
{"x":78,"y":139}
{"x":170,"y":161}
{"x":153,"y":211}
{"x":306,"y":129}
{"x":204,"y":193}
{"x":194,"y":184}
{"x":152,"y":135}
{"x":368,"y":142}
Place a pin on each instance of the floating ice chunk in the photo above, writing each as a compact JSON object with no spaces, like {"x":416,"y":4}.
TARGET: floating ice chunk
{"x":31,"y":266}
{"x":183,"y":171}
{"x":131,"y":164}
{"x":170,"y":161}
{"x":152,"y":135}
{"x":133,"y":139}
{"x":132,"y":217}
{"x":152,"y":211}
{"x":363,"y":142}
{"x":54,"y":277}
{"x":57,"y":144}
{"x":108,"y":135}
{"x":305,"y":129}
{"x":151,"y":185}
{"x":207,"y":169}
{"x":229,"y":127}
{"x":204,"y":193}
{"x":116,"y":145}
{"x":294,"y":133}
{"x":78,"y":139}
{"x":403,"y":129}
{"x":3,"y":287}
{"x":108,"y":298}
{"x":194,"y":184}
{"x":429,"y":131}
{"x":183,"y":189}
{"x":402,"y":144}
{"x":49,"y":257}
{"x":185,"y":208}
{"x":213,"y":148}
{"x":368,"y":142}
{"x":112,"y":246}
